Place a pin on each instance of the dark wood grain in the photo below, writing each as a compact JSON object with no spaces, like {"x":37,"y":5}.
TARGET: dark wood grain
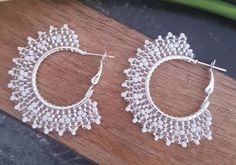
{"x":177,"y":87}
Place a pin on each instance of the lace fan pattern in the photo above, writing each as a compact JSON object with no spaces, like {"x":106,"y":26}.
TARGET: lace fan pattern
{"x":34,"y":108}
{"x":180,"y":130}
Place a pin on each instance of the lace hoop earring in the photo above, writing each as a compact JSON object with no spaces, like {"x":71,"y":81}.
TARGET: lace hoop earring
{"x":180,"y":130}
{"x":36,"y":109}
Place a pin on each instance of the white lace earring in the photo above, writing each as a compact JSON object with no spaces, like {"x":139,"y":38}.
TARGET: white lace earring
{"x":181,"y":130}
{"x":36,"y":109}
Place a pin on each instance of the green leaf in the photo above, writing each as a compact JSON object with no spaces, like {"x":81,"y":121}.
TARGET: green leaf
{"x":214,"y":6}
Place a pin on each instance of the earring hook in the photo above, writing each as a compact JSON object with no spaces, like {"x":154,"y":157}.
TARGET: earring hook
{"x":101,"y":55}
{"x":96,"y":78}
{"x":212,"y":65}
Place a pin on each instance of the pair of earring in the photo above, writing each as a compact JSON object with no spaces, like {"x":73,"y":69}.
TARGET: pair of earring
{"x":42,"y":114}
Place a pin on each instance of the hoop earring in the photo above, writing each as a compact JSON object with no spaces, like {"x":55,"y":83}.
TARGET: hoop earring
{"x":181,"y":130}
{"x":36,"y":109}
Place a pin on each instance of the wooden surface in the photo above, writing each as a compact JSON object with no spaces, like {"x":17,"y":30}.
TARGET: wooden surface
{"x":176,"y":87}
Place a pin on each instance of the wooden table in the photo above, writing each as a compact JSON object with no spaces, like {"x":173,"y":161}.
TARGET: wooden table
{"x":64,"y":78}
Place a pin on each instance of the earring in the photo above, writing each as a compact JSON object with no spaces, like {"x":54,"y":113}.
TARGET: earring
{"x":36,"y":109}
{"x":181,"y":130}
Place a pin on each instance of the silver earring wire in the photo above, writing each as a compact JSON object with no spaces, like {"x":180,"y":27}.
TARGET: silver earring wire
{"x":96,"y":78}
{"x":212,"y":65}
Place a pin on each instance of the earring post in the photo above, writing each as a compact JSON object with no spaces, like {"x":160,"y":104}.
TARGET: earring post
{"x":212,"y":66}
{"x":101,"y":55}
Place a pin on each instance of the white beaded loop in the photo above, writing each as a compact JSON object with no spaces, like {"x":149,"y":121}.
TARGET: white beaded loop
{"x":180,"y":130}
{"x":31,"y":104}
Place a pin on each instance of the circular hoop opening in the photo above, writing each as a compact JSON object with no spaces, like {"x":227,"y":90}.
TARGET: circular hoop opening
{"x":52,"y":89}
{"x":171,"y":100}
